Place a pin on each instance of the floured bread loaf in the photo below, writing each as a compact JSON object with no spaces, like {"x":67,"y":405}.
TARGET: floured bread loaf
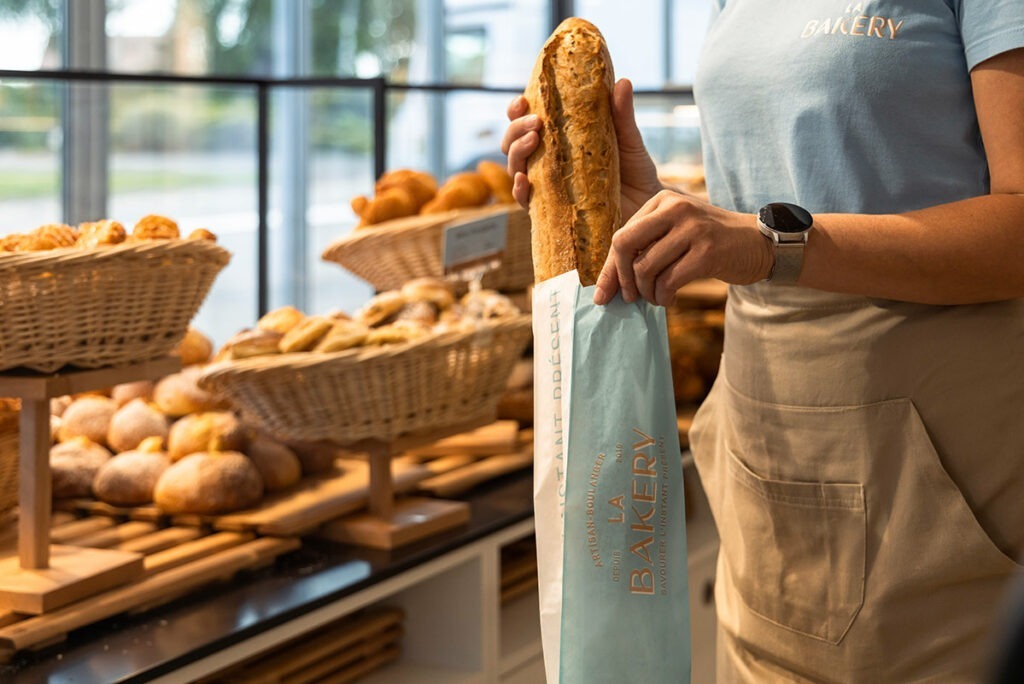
{"x":574,"y":208}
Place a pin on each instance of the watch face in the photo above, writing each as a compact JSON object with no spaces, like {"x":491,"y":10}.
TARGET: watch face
{"x":785,"y":217}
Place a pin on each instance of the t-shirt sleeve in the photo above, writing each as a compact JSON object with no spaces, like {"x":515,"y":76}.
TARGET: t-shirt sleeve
{"x":990,"y":27}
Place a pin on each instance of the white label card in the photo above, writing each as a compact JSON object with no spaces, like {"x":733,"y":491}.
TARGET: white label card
{"x":475,"y":245}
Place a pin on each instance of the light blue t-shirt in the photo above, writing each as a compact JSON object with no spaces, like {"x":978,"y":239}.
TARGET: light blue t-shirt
{"x":859,"y":107}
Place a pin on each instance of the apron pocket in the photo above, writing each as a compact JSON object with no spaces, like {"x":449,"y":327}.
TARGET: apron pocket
{"x":795,"y":550}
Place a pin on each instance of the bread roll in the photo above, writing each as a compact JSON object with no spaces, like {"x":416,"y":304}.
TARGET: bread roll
{"x":194,"y":348}
{"x":125,"y":392}
{"x":73,"y":465}
{"x":209,"y":483}
{"x":179,"y":394}
{"x":281,"y":319}
{"x":134,"y":422}
{"x":574,"y":208}
{"x":130,"y":478}
{"x":88,"y":416}
{"x":208,"y":431}
{"x":278,"y":465}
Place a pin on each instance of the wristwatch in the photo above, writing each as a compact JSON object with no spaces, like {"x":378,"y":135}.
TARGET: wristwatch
{"x":787,"y":227}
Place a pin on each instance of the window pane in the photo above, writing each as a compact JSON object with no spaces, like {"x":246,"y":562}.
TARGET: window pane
{"x":30,"y":154}
{"x":670,"y":126}
{"x":635,"y":32}
{"x":190,"y":36}
{"x":363,"y":38}
{"x":493,"y":43}
{"x":337,"y":167}
{"x":189,"y":152}
{"x":30,"y":34}
{"x":689,"y":25}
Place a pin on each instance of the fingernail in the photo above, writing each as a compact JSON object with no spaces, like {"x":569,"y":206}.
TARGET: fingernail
{"x":600,"y":296}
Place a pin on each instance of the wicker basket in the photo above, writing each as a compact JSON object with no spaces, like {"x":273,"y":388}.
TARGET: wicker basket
{"x":9,"y":461}
{"x":376,"y":393}
{"x":105,"y":306}
{"x":388,"y":255}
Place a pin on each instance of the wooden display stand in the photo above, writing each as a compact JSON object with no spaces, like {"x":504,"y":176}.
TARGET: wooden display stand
{"x":45,"y":577}
{"x":391,"y":523}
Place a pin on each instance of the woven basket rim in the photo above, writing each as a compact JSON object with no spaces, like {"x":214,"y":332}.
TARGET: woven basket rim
{"x":96,"y":255}
{"x":410,"y":226}
{"x":337,"y":360}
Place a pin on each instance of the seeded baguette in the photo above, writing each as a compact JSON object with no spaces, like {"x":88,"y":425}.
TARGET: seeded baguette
{"x":574,"y":173}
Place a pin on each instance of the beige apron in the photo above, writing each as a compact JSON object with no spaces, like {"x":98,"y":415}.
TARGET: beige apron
{"x":864,"y":460}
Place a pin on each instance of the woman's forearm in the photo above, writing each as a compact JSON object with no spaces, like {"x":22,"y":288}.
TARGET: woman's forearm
{"x":964,"y":252}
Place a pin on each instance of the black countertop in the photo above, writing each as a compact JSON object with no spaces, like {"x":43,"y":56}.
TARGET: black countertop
{"x":140,"y":648}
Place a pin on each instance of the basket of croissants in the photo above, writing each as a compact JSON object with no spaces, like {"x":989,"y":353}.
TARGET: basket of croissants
{"x":401,"y":227}
{"x":412,"y":359}
{"x":99,"y":295}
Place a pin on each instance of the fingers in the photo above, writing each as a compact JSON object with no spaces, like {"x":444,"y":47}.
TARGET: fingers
{"x":629,"y":243}
{"x":607,"y":282}
{"x":517,"y":107}
{"x":655,"y":260}
{"x":670,"y":280}
{"x":624,"y":117}
{"x":521,"y":189}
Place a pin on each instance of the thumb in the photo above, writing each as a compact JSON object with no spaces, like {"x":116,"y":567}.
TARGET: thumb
{"x":624,"y":118}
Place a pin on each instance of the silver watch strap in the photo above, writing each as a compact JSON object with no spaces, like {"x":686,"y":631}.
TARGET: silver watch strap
{"x":789,"y":259}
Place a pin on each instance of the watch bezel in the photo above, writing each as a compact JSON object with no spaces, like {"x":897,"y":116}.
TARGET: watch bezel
{"x":785,"y":231}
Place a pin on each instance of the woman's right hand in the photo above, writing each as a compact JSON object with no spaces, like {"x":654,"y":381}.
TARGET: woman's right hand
{"x":639,"y":177}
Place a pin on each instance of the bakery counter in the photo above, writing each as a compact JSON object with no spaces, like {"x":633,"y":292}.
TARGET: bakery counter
{"x":211,"y":630}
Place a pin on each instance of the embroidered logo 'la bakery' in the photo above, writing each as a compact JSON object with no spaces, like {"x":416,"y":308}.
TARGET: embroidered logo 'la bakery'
{"x":856,"y":22}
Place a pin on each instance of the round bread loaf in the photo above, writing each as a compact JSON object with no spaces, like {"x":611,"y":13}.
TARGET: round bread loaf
{"x":179,"y":394}
{"x":122,"y":394}
{"x":73,"y":466}
{"x":129,"y":478}
{"x":194,"y":348}
{"x":278,"y":465}
{"x":134,"y":422}
{"x":207,"y":431}
{"x":209,"y":483}
{"x":88,"y":416}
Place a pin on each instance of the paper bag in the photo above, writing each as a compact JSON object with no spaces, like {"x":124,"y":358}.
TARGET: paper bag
{"x":608,"y":491}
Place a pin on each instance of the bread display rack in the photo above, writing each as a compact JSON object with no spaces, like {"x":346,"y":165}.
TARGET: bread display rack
{"x":382,"y":402}
{"x":77,"y":320}
{"x":387,"y":255}
{"x":44,"y":577}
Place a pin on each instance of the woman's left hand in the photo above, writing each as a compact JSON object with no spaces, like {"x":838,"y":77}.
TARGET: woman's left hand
{"x":674,"y":239}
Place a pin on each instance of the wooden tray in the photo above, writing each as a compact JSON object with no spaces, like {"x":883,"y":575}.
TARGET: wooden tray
{"x":177,"y":561}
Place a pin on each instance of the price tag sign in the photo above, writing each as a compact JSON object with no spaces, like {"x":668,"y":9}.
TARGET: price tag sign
{"x":475,"y":246}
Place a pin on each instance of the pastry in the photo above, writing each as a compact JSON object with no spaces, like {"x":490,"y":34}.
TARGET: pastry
{"x":194,"y":348}
{"x":396,"y":333}
{"x":100,"y":233}
{"x":278,"y":465}
{"x":418,"y":312}
{"x":420,"y":185}
{"x":305,"y":335}
{"x":250,"y":343}
{"x":460,"y":191}
{"x":380,"y":308}
{"x":209,"y":483}
{"x":73,"y":465}
{"x":497,"y":178}
{"x":574,"y":172}
{"x":88,"y":416}
{"x":134,"y":422}
{"x":125,"y":392}
{"x":342,"y":335}
{"x":202,"y":234}
{"x":281,"y":319}
{"x":390,"y":204}
{"x":129,"y":478}
{"x":485,"y":305}
{"x":207,"y":431}
{"x":155,"y":227}
{"x":434,"y":290}
{"x":179,"y":394}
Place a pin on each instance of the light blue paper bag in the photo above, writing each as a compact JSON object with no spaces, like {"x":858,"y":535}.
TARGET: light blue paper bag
{"x":608,"y":491}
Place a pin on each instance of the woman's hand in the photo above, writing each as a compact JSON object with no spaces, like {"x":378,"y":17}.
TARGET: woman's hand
{"x":673,"y":239}
{"x":639,"y":177}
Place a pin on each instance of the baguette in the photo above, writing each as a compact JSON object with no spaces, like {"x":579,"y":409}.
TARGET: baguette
{"x":574,"y":208}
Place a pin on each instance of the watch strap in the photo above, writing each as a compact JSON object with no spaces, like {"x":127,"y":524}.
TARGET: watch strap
{"x":789,"y":259}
